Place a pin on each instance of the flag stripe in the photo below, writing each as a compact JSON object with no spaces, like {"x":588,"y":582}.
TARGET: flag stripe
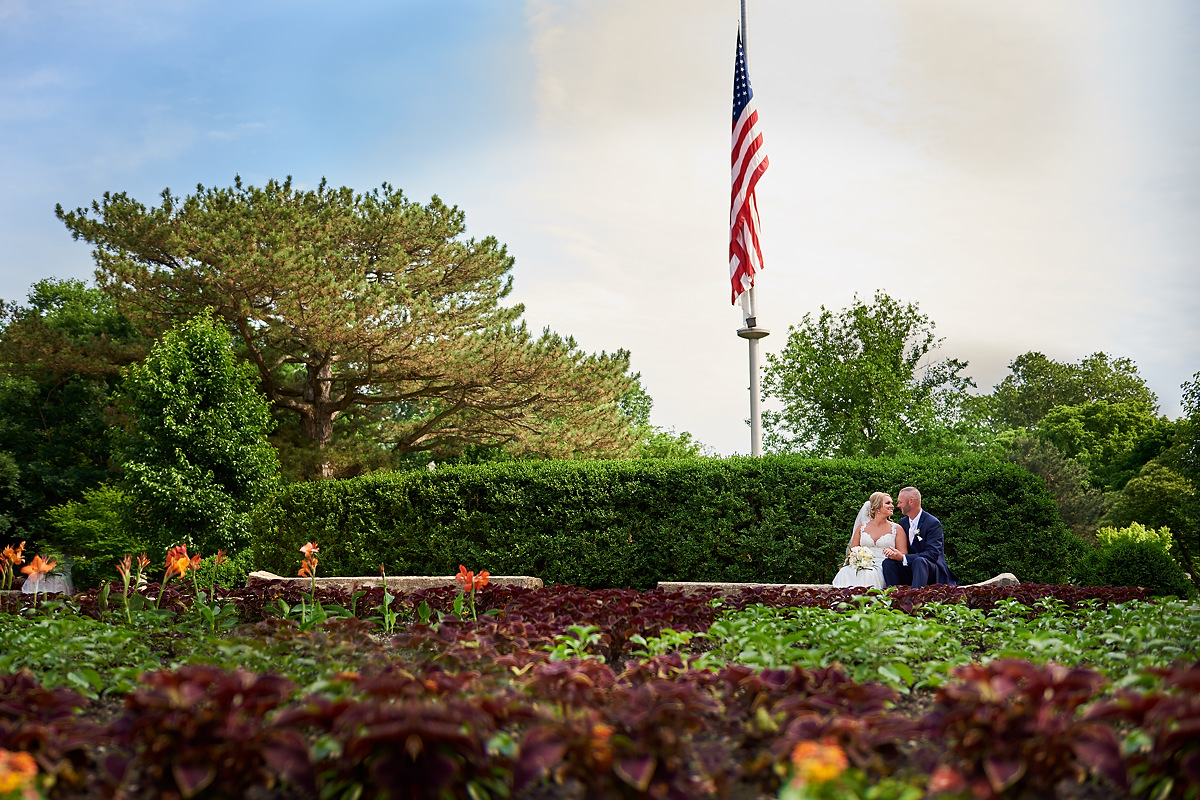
{"x":748,"y":162}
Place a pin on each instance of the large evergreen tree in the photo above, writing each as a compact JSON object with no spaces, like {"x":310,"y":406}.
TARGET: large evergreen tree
{"x":366,"y":308}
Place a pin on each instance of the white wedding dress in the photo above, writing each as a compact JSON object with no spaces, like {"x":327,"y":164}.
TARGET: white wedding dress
{"x":849,"y":576}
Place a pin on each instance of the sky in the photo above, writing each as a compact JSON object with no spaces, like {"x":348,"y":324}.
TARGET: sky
{"x":1027,"y":172}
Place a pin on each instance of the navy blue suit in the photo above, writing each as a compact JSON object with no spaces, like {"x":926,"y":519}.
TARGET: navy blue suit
{"x":926,"y":556}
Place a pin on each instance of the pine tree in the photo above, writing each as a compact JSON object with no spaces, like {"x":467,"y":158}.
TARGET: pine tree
{"x":367,"y":309}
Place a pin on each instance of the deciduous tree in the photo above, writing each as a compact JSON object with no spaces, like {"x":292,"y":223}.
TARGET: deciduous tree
{"x":361,"y":306}
{"x":863,"y":382}
{"x":60,"y":355}
{"x":193,"y":448}
{"x":1038,"y":384}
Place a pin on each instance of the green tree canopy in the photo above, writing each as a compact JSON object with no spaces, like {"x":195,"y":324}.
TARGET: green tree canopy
{"x":1038,"y":384}
{"x":1080,"y":506}
{"x":863,"y":382}
{"x":60,"y":354}
{"x":363,"y":307}
{"x":1105,"y":437}
{"x":194,"y":449}
{"x":653,"y":441}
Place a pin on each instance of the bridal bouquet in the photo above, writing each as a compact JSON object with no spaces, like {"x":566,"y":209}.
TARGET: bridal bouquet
{"x":860,"y":558}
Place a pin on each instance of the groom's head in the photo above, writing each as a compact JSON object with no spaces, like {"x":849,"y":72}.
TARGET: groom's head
{"x":909,"y":501}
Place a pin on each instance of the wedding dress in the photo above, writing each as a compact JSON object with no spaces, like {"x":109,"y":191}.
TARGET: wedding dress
{"x":848,"y":575}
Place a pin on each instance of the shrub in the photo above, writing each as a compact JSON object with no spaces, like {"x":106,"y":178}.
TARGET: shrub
{"x":96,"y":532}
{"x":1135,"y":531}
{"x":598,"y":524}
{"x":1135,"y":562}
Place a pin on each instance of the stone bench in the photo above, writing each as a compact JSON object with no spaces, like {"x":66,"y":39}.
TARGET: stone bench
{"x":395,"y":583}
{"x":691,"y":587}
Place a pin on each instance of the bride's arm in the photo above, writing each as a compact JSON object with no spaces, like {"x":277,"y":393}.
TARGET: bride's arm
{"x":853,"y":541}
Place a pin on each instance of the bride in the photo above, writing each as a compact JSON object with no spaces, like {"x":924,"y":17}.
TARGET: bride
{"x":874,"y":530}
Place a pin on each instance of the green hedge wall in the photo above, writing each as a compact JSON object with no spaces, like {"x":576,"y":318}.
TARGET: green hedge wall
{"x":601,"y":524}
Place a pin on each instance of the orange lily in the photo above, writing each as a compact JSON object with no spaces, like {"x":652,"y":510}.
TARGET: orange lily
{"x":179,"y":566}
{"x":306,"y":569}
{"x":220,"y":558}
{"x":124,"y":567}
{"x":16,"y":556}
{"x":465,"y":576}
{"x":309,"y":549}
{"x":143,"y":561}
{"x":176,"y":552}
{"x":37,"y":568}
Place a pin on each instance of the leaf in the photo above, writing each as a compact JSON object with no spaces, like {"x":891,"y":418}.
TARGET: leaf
{"x":540,"y":750}
{"x":637,"y":772}
{"x":192,"y":780}
{"x":1002,"y":774}
{"x":1098,"y":748}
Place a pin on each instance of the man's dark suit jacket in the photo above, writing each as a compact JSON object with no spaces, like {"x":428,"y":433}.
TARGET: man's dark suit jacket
{"x":926,"y":556}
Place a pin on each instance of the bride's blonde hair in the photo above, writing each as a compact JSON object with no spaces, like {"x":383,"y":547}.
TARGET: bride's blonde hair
{"x":877,"y":502}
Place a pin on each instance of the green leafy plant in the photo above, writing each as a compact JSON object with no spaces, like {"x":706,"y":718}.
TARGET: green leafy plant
{"x":575,"y":643}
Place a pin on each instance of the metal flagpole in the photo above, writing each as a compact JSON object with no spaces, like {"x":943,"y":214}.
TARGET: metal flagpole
{"x":751,"y":332}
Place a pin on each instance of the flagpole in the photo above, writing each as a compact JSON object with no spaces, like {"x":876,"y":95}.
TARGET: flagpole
{"x":751,"y":332}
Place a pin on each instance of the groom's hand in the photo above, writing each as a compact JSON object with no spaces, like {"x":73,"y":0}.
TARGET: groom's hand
{"x":893,"y":554}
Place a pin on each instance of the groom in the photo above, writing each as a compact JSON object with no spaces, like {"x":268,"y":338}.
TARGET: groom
{"x":925,"y":562}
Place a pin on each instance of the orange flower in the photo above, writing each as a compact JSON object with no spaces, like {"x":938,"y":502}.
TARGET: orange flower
{"x":195,"y":563}
{"x":179,"y":566}
{"x":309,"y":549}
{"x":464,"y":576}
{"x":307,"y":568}
{"x":124,"y":567}
{"x":818,"y":762}
{"x":469,"y":580}
{"x":220,"y":558}
{"x":143,"y":561}
{"x":947,"y":779}
{"x":175,"y":553}
{"x":17,"y":771}
{"x":37,"y":568}
{"x":16,"y":556}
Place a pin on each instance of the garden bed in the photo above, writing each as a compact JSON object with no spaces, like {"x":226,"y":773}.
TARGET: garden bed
{"x":563,"y":692}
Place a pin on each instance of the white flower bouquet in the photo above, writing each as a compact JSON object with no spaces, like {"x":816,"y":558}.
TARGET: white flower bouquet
{"x":860,"y":558}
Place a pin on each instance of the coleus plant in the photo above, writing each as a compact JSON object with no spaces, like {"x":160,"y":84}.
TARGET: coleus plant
{"x":1012,"y":729}
{"x":1162,"y":754}
{"x":200,"y":730}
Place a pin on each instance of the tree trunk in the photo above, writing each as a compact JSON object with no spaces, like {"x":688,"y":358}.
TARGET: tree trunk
{"x":316,"y":421}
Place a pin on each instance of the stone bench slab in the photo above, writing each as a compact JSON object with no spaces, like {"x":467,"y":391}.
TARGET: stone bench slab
{"x":691,"y":587}
{"x":395,"y":583}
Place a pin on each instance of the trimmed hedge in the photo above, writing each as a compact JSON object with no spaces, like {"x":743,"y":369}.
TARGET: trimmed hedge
{"x":604,"y":524}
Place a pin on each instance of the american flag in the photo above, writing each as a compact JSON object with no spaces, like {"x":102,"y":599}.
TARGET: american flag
{"x":749,"y":163}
